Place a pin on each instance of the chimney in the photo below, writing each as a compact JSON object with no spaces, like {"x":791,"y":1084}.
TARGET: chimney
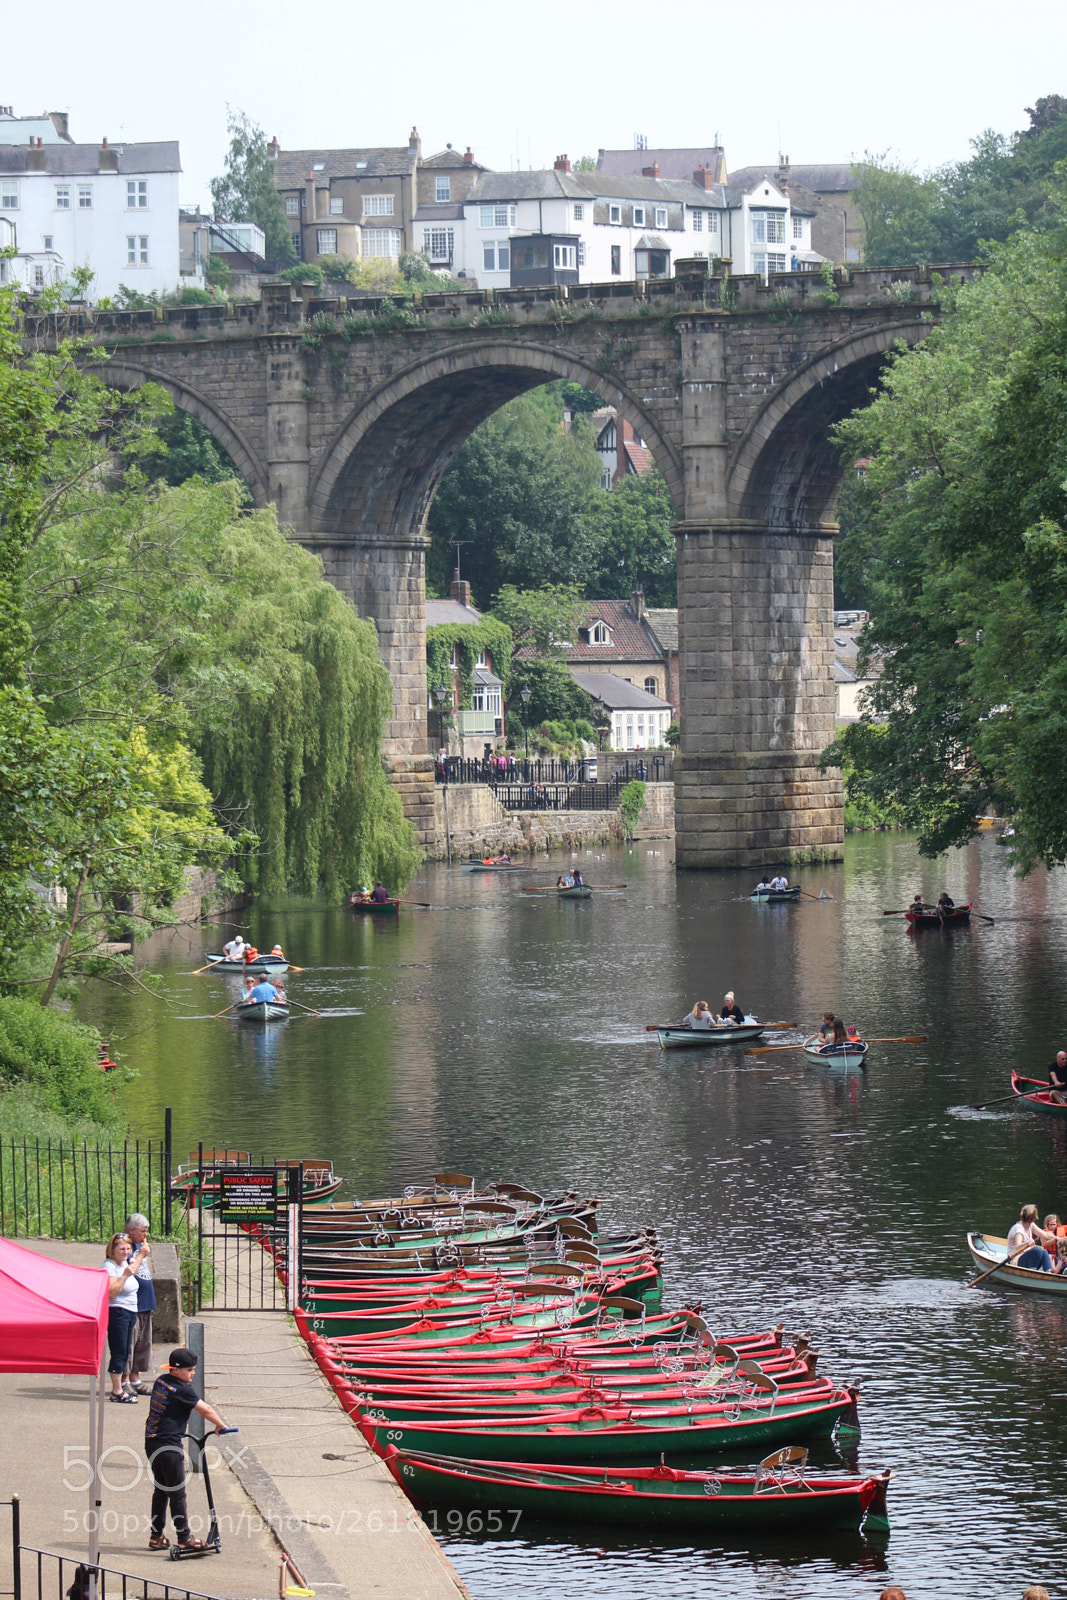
{"x":637,"y":603}
{"x":107,"y":160}
{"x":783,"y":171}
{"x":652,"y":171}
{"x":561,"y":164}
{"x":468,"y":157}
{"x":459,"y":590}
{"x":414,"y":143}
{"x":35,"y":158}
{"x":704,"y":178}
{"x":60,"y":121}
{"x":273,"y":149}
{"x":309,"y":197}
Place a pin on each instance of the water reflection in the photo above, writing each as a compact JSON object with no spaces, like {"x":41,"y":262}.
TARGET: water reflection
{"x":503,"y":1034}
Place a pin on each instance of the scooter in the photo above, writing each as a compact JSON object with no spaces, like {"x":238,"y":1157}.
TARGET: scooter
{"x":212,"y":1545}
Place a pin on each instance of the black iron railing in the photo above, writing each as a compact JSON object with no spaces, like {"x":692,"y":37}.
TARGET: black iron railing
{"x":609,"y":768}
{"x":81,"y":1191}
{"x":557,"y":796}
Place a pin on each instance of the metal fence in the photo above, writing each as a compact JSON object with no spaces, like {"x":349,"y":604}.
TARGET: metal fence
{"x":609,"y":767}
{"x":79,"y":1190}
{"x":557,"y":796}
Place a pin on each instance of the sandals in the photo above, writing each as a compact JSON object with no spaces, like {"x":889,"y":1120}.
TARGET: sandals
{"x":191,"y":1544}
{"x":159,"y":1541}
{"x":123,"y":1399}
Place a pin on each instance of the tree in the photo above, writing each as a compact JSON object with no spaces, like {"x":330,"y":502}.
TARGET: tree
{"x":896,"y":209}
{"x":637,"y":546}
{"x":189,"y":452}
{"x":246,"y":191}
{"x":960,"y":533}
{"x":520,"y":498}
{"x":544,"y":620}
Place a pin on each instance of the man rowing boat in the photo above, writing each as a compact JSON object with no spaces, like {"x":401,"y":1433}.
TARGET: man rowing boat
{"x":1057,"y":1078}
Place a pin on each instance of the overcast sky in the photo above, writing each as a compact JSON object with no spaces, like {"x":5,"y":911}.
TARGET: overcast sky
{"x":526,"y":83}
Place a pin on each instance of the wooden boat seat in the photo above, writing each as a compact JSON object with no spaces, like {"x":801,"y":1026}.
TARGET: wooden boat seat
{"x":221,"y":1158}
{"x":454,"y":1180}
{"x":782,"y":1470}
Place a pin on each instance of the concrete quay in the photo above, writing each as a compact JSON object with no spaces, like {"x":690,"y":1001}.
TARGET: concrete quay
{"x":298,"y":1476}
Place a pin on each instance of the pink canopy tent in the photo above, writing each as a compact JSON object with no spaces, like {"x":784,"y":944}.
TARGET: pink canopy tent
{"x":53,"y":1317}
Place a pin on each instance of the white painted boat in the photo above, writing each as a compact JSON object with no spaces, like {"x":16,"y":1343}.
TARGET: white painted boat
{"x":262,"y":1010}
{"x":845,"y":1056}
{"x":683,"y":1037}
{"x":264,"y":964}
{"x":987,"y":1250}
{"x":775,"y":896}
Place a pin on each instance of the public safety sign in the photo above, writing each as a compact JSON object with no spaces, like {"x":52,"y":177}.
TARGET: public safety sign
{"x":248,"y":1194}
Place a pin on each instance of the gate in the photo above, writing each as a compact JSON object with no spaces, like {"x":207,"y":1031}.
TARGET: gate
{"x":248,"y":1221}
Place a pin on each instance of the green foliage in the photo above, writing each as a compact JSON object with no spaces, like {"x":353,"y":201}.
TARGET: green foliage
{"x":896,"y":208}
{"x":636,"y":544}
{"x":189,"y":295}
{"x":544,"y":620}
{"x":578,"y":401}
{"x":584,"y":164}
{"x":304,"y":272}
{"x":563,"y":738}
{"x":338,"y":269}
{"x":189,"y":452}
{"x":54,"y":1059}
{"x":218,"y":272}
{"x":958,"y":544}
{"x":246,"y":192}
{"x":673,"y":736}
{"x":554,"y":697}
{"x":631,"y":805}
{"x":467,"y":640}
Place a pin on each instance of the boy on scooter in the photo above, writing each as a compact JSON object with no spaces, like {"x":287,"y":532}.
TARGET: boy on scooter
{"x":173,"y":1399}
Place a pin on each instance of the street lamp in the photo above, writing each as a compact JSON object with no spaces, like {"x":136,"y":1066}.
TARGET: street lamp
{"x":439,"y":695}
{"x":525,"y":697}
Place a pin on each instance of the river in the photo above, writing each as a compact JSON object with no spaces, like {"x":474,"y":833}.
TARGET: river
{"x":503,"y":1034}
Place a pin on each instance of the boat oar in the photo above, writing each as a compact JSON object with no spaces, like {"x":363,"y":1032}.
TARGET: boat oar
{"x":209,"y":966}
{"x":896,"y":913}
{"x":426,"y":905}
{"x":818,"y":898}
{"x":907,"y":1038}
{"x":998,"y":1102}
{"x":991,"y":920}
{"x":310,"y":1009}
{"x":223,"y":1013}
{"x":1005,"y":1263}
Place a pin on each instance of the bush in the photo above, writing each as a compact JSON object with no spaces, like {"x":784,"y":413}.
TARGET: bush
{"x":304,"y":272}
{"x":54,"y":1059}
{"x":673,"y":736}
{"x":631,"y":805}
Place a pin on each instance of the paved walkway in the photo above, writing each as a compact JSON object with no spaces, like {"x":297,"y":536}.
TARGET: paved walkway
{"x":302,"y":1475}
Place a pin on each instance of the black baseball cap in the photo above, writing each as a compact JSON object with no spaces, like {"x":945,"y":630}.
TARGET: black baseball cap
{"x":182,"y":1357}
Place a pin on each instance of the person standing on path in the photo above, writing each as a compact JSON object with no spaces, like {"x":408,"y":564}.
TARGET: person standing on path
{"x":139,"y":1364}
{"x":173,"y":1401}
{"x":122,"y":1308}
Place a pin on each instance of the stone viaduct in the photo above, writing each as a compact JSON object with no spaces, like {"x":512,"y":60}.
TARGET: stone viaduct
{"x":346,"y":415}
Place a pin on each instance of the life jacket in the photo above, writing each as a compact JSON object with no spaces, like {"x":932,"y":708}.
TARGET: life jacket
{"x":251,"y":952}
{"x":277,"y":951}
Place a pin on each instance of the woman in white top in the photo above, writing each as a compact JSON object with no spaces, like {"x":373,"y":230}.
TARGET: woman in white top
{"x":1026,"y":1242}
{"x":122,"y":1264}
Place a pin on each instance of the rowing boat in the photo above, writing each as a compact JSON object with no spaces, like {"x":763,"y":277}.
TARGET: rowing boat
{"x":848,"y":1056}
{"x":780,"y":1495}
{"x":602,"y":1434}
{"x":221,"y":963}
{"x":931,"y":917}
{"x":262,"y":1010}
{"x":575,"y":891}
{"x":775,"y":896}
{"x":320,"y":1180}
{"x":1039,"y":1097}
{"x":381,"y":908}
{"x":991,"y":1253}
{"x":684,"y":1037}
{"x":494,"y":866}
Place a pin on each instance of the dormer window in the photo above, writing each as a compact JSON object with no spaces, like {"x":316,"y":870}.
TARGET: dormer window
{"x":598,"y":633}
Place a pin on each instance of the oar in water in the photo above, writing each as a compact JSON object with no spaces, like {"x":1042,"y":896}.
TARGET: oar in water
{"x":300,"y":1007}
{"x":223,"y":1013}
{"x":1005,"y":1263}
{"x":209,"y":966}
{"x":768,"y":1027}
{"x":998,"y":1102}
{"x":908,"y":1038}
{"x":821,"y":897}
{"x":554,"y":888}
{"x":426,"y":905}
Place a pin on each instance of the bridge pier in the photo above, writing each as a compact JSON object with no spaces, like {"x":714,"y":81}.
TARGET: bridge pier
{"x":755,"y":639}
{"x":384,"y":576}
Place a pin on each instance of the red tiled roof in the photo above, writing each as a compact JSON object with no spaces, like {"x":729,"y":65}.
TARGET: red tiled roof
{"x":630,"y":639}
{"x":638,"y":459}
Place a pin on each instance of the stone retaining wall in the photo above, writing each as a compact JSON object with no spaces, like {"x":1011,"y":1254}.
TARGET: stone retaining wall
{"x":476,"y":823}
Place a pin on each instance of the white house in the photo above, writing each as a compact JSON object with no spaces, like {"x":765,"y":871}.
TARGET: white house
{"x":112,"y":208}
{"x":639,"y":721}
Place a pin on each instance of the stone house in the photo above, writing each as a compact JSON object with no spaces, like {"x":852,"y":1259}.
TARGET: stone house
{"x":615,"y":638}
{"x":468,"y":728}
{"x":349,"y":202}
{"x":443,"y":184}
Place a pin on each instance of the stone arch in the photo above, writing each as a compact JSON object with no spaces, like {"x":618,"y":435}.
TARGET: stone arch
{"x":785,"y":473}
{"x":120,"y":374}
{"x":380,"y":473}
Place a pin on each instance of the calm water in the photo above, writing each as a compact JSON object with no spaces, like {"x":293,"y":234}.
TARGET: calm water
{"x":503,"y":1034}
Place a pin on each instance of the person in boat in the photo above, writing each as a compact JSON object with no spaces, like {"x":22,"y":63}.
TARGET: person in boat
{"x":1057,"y":1078}
{"x":945,"y":901}
{"x":276,"y":951}
{"x":700,"y":1016}
{"x":250,"y":954}
{"x":763,"y":887}
{"x":379,"y":894}
{"x":264,"y":990}
{"x":731,"y":1011}
{"x":780,"y":883}
{"x":247,"y":986}
{"x":234,"y":951}
{"x":826,"y":1028}
{"x":918,"y":903}
{"x":561,"y":881}
{"x":1028,"y":1244}
{"x":576,"y":879}
{"x":279,"y":992}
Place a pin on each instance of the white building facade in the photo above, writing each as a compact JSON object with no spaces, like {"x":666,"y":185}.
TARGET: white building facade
{"x":112,"y":209}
